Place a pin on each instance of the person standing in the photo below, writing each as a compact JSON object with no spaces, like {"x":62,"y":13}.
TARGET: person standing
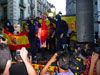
{"x":6,"y":60}
{"x":62,"y":63}
{"x":61,"y":31}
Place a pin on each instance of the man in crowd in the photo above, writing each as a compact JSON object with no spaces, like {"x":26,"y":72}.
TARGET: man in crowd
{"x":6,"y":60}
{"x":62,"y":63}
{"x":61,"y":31}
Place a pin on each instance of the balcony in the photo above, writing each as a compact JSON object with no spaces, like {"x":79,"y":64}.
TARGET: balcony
{"x":22,"y":4}
{"x":3,"y":2}
{"x":39,"y":1}
{"x":32,"y":6}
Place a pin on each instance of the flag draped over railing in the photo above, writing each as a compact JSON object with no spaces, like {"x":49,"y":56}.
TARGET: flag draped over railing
{"x":17,"y":41}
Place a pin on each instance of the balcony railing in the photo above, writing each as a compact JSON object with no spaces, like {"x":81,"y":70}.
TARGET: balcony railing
{"x":21,"y":4}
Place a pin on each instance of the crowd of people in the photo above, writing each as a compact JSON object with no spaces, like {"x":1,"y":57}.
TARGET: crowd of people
{"x":71,"y":57}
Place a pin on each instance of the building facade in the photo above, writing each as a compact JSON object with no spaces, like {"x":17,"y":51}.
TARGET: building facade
{"x":98,"y":16}
{"x":3,"y":11}
{"x":71,"y":10}
{"x":13,"y":10}
{"x":70,"y":7}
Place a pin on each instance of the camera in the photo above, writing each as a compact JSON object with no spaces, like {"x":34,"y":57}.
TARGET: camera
{"x":18,"y":57}
{"x":18,"y":52}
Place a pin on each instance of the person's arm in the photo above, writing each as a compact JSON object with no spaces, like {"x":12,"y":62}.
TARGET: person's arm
{"x":98,"y":67}
{"x":52,"y":20}
{"x":94,"y":59}
{"x":8,"y":65}
{"x":53,"y":59}
{"x":29,"y":67}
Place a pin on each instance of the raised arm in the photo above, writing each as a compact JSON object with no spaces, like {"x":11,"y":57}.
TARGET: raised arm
{"x":52,"y":20}
{"x":53,"y":59}
{"x":29,"y":67}
{"x":94,"y":59}
{"x":98,"y":67}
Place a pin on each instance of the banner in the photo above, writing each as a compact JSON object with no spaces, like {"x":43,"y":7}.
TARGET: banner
{"x":71,"y":20}
{"x":51,"y":70}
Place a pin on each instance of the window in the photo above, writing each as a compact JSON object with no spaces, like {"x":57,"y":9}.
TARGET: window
{"x":22,"y":13}
{"x":21,"y":2}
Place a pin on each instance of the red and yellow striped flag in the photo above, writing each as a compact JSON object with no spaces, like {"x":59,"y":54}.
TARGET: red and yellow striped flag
{"x":17,"y":41}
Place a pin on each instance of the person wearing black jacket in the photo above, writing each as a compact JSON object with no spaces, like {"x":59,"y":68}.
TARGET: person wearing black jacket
{"x":61,"y":31}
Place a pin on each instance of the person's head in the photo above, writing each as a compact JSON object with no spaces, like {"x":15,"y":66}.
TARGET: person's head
{"x":58,"y":17}
{"x":87,"y":49}
{"x":97,"y":50}
{"x":37,"y":18}
{"x":5,"y":56}
{"x":63,"y":61}
{"x":17,"y":27}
